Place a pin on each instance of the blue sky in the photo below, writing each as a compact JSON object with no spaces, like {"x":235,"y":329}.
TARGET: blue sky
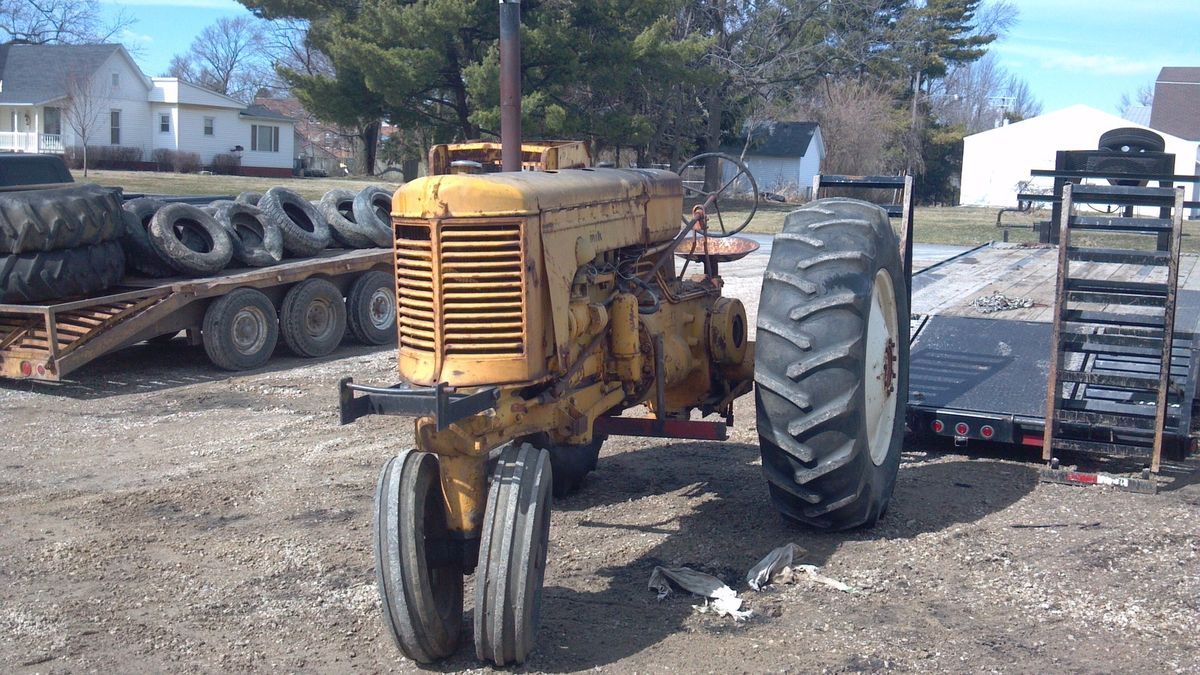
{"x":1070,"y":51}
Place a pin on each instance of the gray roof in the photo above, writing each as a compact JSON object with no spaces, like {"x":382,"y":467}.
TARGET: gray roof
{"x":39,"y":73}
{"x":263,"y":112}
{"x":778,"y":139}
{"x":1176,"y":109}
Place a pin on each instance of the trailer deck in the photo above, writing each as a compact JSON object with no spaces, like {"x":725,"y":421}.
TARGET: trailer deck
{"x":47,"y":341}
{"x":989,"y":370}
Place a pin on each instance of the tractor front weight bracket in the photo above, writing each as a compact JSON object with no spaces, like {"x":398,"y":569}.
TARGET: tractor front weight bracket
{"x":441,"y":402}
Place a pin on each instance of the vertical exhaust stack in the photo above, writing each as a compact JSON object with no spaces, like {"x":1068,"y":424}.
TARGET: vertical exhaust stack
{"x":510,"y":85}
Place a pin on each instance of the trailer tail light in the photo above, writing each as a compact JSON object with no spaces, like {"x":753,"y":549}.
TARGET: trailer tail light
{"x":962,"y":429}
{"x":938,"y":427}
{"x":987,"y":431}
{"x":26,"y":368}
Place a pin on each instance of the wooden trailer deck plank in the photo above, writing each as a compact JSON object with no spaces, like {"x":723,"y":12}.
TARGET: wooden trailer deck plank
{"x":1022,"y":271}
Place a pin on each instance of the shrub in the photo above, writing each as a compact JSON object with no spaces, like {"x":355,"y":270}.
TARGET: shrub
{"x":226,"y":164}
{"x":187,"y":162}
{"x":164,"y":158}
{"x":103,"y":156}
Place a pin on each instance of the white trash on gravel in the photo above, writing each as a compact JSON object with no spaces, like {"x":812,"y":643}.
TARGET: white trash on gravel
{"x":778,"y":566}
{"x":725,"y":601}
{"x":760,"y":575}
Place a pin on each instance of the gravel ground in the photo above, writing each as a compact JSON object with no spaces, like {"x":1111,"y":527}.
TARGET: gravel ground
{"x":158,"y":515}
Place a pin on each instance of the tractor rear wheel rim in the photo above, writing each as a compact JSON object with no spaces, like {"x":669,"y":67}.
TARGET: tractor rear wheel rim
{"x":879,"y":376}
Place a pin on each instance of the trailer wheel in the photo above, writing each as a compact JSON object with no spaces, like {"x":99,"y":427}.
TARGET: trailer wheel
{"x":371,"y":308}
{"x":240,"y":330}
{"x":313,"y":318}
{"x":831,"y":364}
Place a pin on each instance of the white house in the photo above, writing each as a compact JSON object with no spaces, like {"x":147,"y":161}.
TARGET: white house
{"x":997,"y":162}
{"x":132,"y":110}
{"x":783,"y":157}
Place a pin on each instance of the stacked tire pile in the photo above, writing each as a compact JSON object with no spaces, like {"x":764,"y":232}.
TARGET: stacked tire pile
{"x":242,"y":328}
{"x":255,"y":230}
{"x":60,"y":242}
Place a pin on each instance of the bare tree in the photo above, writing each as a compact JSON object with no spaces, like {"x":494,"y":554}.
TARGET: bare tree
{"x":227,"y":57}
{"x":859,"y":124}
{"x":981,"y":95}
{"x":60,"y":22}
{"x":83,"y":109}
{"x":1144,"y":96}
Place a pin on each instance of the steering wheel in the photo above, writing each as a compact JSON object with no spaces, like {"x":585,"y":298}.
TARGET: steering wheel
{"x":711,"y":198}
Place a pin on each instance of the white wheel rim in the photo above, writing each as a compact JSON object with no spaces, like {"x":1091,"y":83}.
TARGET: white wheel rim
{"x":879,"y":377}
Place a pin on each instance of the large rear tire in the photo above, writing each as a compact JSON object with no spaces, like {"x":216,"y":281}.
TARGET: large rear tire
{"x":831,"y":364}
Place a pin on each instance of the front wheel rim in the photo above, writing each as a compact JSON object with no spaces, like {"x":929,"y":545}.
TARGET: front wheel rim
{"x":880,"y":381}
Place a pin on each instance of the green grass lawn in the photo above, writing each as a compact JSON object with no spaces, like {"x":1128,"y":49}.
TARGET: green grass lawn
{"x":194,"y":184}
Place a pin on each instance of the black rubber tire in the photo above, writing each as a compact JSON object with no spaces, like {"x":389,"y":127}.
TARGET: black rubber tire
{"x":140,"y":257}
{"x":58,"y":218}
{"x":250,"y":198}
{"x":305,"y":232}
{"x":312,"y":318}
{"x":256,"y":240}
{"x":371,"y":308}
{"x":571,"y":463}
{"x":1132,"y":139}
{"x":512,"y":556}
{"x":422,"y":604}
{"x":810,"y":360}
{"x":240,"y":330}
{"x":373,"y":211}
{"x":190,"y":240}
{"x":66,"y":273}
{"x":338,"y":208}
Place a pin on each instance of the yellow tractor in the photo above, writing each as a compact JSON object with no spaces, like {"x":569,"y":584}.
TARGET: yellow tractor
{"x":535,"y":308}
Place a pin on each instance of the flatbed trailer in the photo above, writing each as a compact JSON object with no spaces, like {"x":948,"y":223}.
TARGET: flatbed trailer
{"x":46,"y":342}
{"x":983,"y":376}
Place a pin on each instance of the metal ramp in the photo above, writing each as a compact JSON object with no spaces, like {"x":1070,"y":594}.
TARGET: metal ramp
{"x":1116,"y":363}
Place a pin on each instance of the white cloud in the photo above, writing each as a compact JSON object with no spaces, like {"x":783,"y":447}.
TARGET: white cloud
{"x":1093,"y":64}
{"x":129,"y":37}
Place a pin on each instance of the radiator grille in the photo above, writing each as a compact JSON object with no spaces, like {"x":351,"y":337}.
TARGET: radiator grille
{"x":459,"y":287}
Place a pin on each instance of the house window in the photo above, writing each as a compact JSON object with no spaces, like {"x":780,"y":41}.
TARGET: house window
{"x":52,"y":121}
{"x":208,"y":126}
{"x":264,"y":138}
{"x":164,"y":122}
{"x":116,"y":80}
{"x":114,"y":123}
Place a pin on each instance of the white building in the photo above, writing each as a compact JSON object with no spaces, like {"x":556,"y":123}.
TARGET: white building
{"x":997,"y":162}
{"x":131,"y":110}
{"x":783,"y":157}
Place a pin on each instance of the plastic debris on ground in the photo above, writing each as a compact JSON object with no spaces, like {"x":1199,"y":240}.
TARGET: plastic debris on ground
{"x":779,"y":567}
{"x":760,"y":575}
{"x":724,"y":600}
{"x":998,"y":302}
